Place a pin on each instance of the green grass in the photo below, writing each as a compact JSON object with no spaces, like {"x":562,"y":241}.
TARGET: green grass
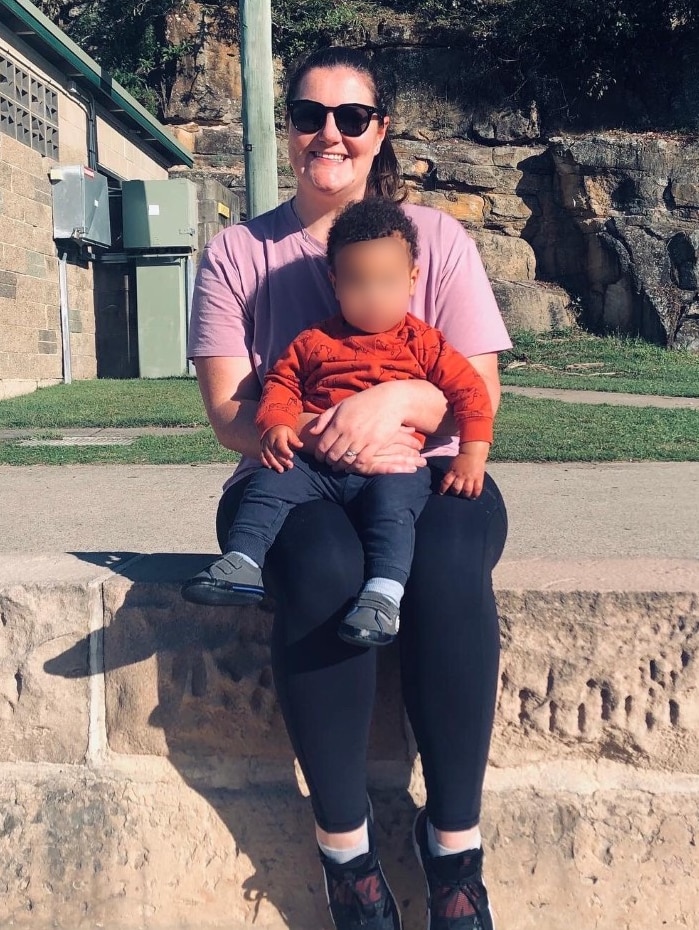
{"x":526,"y":431}
{"x":160,"y":402}
{"x":198,"y":446}
{"x":610,"y":363}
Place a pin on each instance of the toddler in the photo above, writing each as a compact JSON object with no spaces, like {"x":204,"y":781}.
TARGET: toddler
{"x":372,"y":255}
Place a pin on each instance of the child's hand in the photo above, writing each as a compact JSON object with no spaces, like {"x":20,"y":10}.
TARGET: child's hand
{"x":467,"y":470}
{"x":277,"y":448}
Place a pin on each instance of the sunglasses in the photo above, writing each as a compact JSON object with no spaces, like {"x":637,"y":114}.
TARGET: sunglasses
{"x":352,"y":119}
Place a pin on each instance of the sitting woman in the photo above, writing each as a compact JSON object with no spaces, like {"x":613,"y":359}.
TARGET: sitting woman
{"x":259,"y":285}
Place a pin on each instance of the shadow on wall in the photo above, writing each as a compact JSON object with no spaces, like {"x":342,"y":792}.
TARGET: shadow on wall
{"x":194,"y":685}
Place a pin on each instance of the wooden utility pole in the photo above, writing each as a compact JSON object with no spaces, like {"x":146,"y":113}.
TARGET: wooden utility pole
{"x":258,"y":106}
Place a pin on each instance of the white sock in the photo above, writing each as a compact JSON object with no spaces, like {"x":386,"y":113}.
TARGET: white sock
{"x":472,"y":841}
{"x":346,"y":855}
{"x":391,"y":589}
{"x":245,"y":558}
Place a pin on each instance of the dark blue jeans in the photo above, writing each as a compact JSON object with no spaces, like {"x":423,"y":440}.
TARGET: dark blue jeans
{"x":384,"y":506}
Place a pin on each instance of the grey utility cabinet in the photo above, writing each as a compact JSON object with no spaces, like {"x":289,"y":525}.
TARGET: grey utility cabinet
{"x":160,"y":214}
{"x":80,"y":205}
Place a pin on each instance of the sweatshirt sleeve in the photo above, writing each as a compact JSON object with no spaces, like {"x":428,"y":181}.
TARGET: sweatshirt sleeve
{"x":463,"y":388}
{"x":280,"y":404}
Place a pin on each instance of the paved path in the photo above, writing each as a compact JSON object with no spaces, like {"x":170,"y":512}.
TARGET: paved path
{"x":613,"y":398}
{"x":557,"y":511}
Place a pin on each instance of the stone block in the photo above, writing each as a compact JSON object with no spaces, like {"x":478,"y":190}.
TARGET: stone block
{"x":23,"y":183}
{"x":505,"y":256}
{"x":16,"y":388}
{"x":568,"y":687}
{"x":480,"y":177}
{"x":36,"y":264}
{"x":533,"y":306}
{"x":226,"y":141}
{"x":12,"y":208}
{"x":19,"y":339}
{"x":685,"y":193}
{"x":501,"y":207}
{"x":196,"y":683}
{"x":84,"y":367}
{"x":468,"y":208}
{"x":8,"y":285}
{"x":44,"y":718}
{"x":38,"y":214}
{"x":84,"y":850}
{"x":21,"y":156}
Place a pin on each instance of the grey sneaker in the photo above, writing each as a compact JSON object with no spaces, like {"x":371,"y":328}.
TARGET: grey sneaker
{"x":372,"y":621}
{"x":228,"y":582}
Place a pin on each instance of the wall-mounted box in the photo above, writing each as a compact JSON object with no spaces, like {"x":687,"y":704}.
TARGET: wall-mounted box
{"x":160,"y":214}
{"x":80,"y":205}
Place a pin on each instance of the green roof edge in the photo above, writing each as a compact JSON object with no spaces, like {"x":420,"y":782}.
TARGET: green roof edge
{"x":100,"y":79}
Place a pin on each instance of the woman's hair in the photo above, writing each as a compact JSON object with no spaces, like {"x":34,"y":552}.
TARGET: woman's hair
{"x":384,"y":177}
{"x":372,"y":218}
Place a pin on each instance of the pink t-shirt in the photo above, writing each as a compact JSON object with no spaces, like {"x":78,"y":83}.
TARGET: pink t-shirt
{"x":260,"y":283}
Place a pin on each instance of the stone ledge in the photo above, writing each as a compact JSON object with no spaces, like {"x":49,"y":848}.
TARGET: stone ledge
{"x":600,"y":660}
{"x":82,"y":850}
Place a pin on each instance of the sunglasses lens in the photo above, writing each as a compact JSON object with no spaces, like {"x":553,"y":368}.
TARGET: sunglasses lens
{"x":352,"y":119}
{"x":307,"y":115}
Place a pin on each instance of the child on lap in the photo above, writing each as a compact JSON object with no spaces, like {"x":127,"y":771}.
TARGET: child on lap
{"x":372,"y":252}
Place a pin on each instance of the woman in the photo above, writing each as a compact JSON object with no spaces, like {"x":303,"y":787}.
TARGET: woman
{"x":258,"y":286}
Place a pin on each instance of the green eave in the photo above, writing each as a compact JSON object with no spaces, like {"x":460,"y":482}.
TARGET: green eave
{"x":37,"y":31}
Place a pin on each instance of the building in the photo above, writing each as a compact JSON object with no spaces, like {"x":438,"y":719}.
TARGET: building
{"x":58,"y":107}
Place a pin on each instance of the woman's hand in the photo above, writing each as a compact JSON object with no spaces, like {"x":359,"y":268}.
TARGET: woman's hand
{"x":363,"y":425}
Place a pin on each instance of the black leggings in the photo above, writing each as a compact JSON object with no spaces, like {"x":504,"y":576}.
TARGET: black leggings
{"x":449,"y":650}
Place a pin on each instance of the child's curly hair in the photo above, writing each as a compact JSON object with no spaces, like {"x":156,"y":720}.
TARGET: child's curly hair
{"x":372,"y":218}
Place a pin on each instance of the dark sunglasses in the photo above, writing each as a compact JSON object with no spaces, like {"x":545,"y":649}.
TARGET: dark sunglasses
{"x":352,"y":119}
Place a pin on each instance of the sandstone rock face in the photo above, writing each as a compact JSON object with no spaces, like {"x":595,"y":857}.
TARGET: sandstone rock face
{"x":628,"y":207}
{"x":533,"y":307}
{"x":208,"y":87}
{"x":611,"y":217}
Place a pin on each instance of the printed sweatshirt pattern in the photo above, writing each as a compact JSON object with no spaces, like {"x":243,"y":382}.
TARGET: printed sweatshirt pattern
{"x":331,"y":361}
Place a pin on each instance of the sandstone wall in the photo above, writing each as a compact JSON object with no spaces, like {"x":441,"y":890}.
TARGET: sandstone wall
{"x":147,"y":782}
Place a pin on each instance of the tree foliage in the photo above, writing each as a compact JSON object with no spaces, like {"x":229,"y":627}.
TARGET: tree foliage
{"x":127,"y":37}
{"x":565,"y":54}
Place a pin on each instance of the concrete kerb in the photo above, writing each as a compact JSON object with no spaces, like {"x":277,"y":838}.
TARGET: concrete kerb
{"x":164,"y":833}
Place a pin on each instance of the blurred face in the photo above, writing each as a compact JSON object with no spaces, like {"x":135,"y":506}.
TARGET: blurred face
{"x":326,"y":162}
{"x":374,"y":282}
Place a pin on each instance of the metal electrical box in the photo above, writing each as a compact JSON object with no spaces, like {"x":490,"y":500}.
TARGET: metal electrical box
{"x":80,"y":205}
{"x":160,"y":214}
{"x":161,"y":285}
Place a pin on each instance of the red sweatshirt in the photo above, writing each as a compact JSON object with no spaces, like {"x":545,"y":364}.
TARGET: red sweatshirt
{"x":332,"y":360}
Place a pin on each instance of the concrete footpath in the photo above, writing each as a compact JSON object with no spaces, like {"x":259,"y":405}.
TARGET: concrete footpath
{"x":146,"y":781}
{"x":557,"y":511}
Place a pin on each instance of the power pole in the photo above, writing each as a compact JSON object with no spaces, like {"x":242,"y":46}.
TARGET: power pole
{"x":258,"y":106}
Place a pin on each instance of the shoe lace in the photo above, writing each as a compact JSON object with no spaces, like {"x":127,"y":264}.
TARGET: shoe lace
{"x":359,"y":897}
{"x":461,"y":896}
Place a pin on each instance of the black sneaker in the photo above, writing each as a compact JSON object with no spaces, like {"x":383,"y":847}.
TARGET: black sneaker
{"x":373,"y":620}
{"x":456,"y":896}
{"x":358,"y":894}
{"x":228,"y":582}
